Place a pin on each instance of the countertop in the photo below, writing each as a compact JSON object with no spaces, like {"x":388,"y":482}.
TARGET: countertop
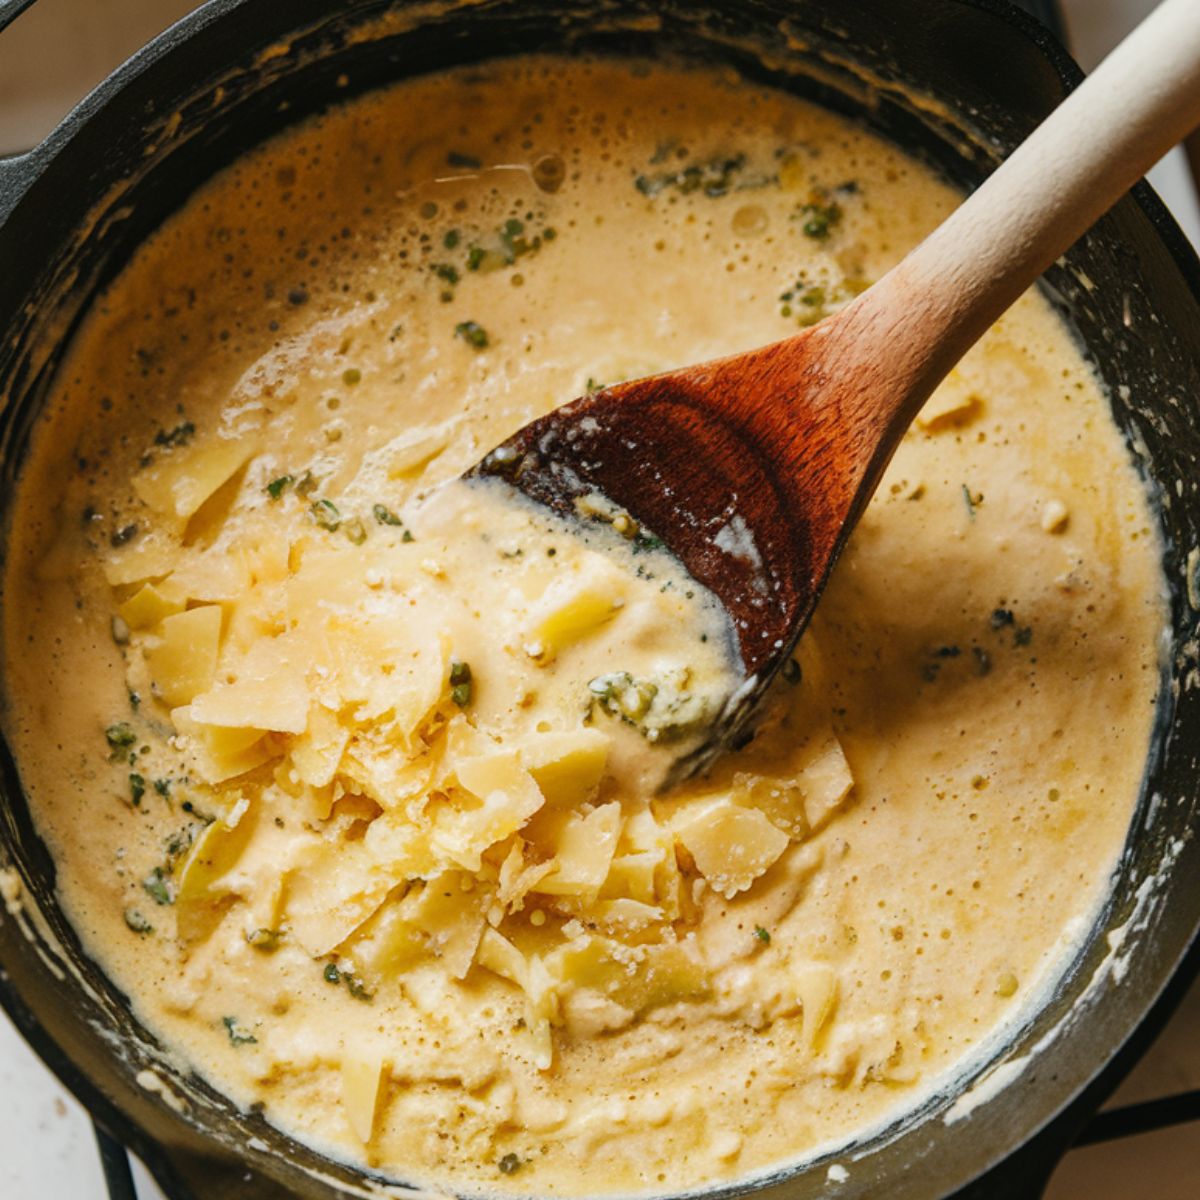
{"x":50,"y":58}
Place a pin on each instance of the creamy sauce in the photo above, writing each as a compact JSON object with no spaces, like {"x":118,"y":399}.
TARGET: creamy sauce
{"x":378,"y":845}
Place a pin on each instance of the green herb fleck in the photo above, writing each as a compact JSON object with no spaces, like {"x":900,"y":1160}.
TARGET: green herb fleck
{"x":820,"y":219}
{"x":510,"y":1164}
{"x":970,"y":501}
{"x":266,"y":940}
{"x":306,"y":484}
{"x":137,"y":788}
{"x":332,"y":974}
{"x":472,"y":333}
{"x":274,"y":489}
{"x":326,"y":514}
{"x":179,"y":436}
{"x":714,"y":178}
{"x":156,"y":887}
{"x":385,"y":516}
{"x":451,"y":239}
{"x":447,"y":272}
{"x":163,"y":788}
{"x":355,"y":530}
{"x":237,"y":1035}
{"x":762,"y":935}
{"x":643,"y":543}
{"x":461,"y":683}
{"x":357,"y":988}
{"x":137,"y":922}
{"x":119,"y":737}
{"x":475,"y":257}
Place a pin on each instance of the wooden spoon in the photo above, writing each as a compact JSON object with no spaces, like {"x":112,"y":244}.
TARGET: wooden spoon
{"x":753,"y":469}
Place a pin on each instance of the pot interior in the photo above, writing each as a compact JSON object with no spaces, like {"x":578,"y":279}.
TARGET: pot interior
{"x":957,"y":83}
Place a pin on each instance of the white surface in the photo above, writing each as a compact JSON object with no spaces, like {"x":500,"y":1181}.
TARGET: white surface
{"x":48,"y":60}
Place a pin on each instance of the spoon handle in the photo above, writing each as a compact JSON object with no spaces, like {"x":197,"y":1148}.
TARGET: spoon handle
{"x":922,"y":317}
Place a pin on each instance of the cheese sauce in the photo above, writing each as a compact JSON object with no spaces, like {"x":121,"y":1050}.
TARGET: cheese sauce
{"x":349,"y":770}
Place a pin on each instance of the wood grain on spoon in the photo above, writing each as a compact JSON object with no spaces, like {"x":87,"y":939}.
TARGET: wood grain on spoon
{"x":753,"y":469}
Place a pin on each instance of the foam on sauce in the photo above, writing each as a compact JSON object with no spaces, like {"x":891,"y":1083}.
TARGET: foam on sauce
{"x":438,"y":922}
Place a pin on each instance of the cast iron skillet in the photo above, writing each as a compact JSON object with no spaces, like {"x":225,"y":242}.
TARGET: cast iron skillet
{"x":72,"y":211}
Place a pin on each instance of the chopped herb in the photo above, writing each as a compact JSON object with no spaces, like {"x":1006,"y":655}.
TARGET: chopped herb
{"x":355,"y":530}
{"x":451,"y":239}
{"x":385,"y":516}
{"x":120,"y":630}
{"x":163,"y":788}
{"x":620,"y":695}
{"x":237,"y":1035}
{"x":332,"y":974}
{"x":297,"y":296}
{"x":447,"y":272}
{"x":326,"y":514}
{"x":472,"y":333}
{"x":134,"y":700}
{"x":178,"y":845}
{"x":947,"y":652}
{"x":351,"y":376}
{"x":124,"y":535}
{"x":137,"y":922}
{"x":713,"y":178}
{"x":820,"y":219}
{"x":179,"y":436}
{"x":645,"y":542}
{"x":357,"y":988}
{"x":475,"y":257}
{"x":791,"y":672}
{"x":461,"y":683}
{"x":1023,"y":636}
{"x":266,"y":940}
{"x":814,"y":302}
{"x":156,"y":887}
{"x":274,"y":489}
{"x":306,"y":484}
{"x":969,"y":501}
{"x":1001,"y":617}
{"x":762,"y":935}
{"x":120,"y":737}
{"x":408,"y":537}
{"x":510,"y":1164}
{"x":457,"y":159}
{"x":591,"y":387}
{"x":137,"y":788}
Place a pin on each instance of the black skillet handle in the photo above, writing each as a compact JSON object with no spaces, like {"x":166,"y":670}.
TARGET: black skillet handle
{"x":10,"y":10}
{"x":16,"y":173}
